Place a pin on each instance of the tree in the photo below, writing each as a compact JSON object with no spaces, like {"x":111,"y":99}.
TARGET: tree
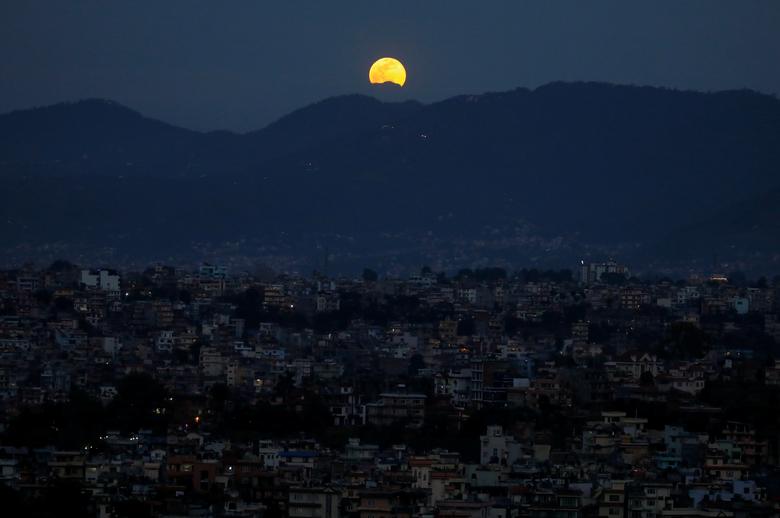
{"x":370,"y":275}
{"x":134,"y":407}
{"x":60,"y":265}
{"x":185,"y":297}
{"x":466,"y":327}
{"x":43,"y":297}
{"x":416,"y":363}
{"x":70,"y":425}
{"x":686,"y":341}
{"x":63,"y":304}
{"x":248,"y":306}
{"x":219,"y":394}
{"x":737,"y":278}
{"x":613,"y":278}
{"x":61,"y":497}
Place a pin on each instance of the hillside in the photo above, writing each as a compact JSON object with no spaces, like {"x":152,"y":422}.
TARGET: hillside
{"x":592,"y":167}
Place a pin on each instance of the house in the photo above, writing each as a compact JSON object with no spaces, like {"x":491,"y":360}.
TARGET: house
{"x":313,"y":502}
{"x":389,"y":503}
{"x":498,"y":449}
{"x":102,"y":280}
{"x":397,"y":408}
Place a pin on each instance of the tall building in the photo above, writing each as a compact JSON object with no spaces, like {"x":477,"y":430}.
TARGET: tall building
{"x":103,"y":280}
{"x":592,"y":273}
{"x":394,"y":408}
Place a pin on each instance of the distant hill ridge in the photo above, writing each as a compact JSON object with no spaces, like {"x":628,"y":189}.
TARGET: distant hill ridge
{"x":597,"y":163}
{"x":98,"y":136}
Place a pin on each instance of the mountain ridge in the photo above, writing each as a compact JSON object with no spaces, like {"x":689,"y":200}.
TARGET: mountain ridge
{"x":551,"y":86}
{"x":591,"y":164}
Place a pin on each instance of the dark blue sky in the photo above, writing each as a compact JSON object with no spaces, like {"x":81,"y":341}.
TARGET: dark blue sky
{"x":240,"y":64}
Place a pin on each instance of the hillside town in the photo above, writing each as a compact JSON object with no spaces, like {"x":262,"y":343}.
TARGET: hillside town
{"x":484,"y":393}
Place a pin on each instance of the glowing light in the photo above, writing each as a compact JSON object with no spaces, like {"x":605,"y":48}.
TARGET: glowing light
{"x":387,"y":70}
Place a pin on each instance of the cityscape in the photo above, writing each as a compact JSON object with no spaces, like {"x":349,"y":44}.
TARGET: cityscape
{"x":390,"y":259}
{"x":487,"y":393}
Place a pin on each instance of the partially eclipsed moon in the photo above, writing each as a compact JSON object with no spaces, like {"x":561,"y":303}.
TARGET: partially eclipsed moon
{"x":387,"y":70}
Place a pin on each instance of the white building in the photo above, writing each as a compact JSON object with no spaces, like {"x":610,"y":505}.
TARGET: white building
{"x":212,"y":271}
{"x":741,"y":305}
{"x":111,"y":345}
{"x":103,"y":280}
{"x":164,"y":341}
{"x":592,"y":272}
{"x":497,"y":448}
{"x":456,"y":384}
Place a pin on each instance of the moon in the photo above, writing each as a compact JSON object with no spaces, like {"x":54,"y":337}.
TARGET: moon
{"x":387,"y":70}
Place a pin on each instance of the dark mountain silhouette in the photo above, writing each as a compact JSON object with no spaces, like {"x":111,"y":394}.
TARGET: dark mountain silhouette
{"x":582,"y":165}
{"x":105,"y":138}
{"x":93,"y":137}
{"x":325,"y":122}
{"x":751,"y":226}
{"x":610,"y":162}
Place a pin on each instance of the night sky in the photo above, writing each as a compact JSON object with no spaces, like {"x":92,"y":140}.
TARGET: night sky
{"x":239,"y":65}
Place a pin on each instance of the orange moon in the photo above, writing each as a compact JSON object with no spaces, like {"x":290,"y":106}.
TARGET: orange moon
{"x":387,"y":70}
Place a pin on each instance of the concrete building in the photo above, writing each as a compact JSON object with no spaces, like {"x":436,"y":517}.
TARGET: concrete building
{"x":397,"y":408}
{"x":103,"y":280}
